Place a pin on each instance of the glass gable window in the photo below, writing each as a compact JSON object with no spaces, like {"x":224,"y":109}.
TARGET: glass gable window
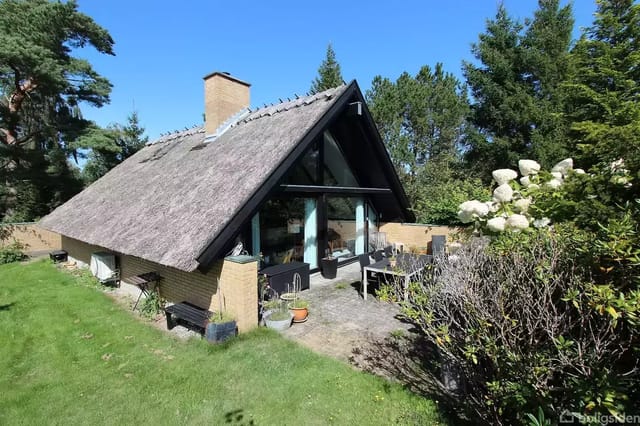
{"x":309,"y":222}
{"x":336,"y":169}
{"x":306,"y":171}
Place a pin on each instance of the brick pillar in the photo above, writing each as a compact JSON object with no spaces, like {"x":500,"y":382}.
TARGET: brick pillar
{"x":239,"y":285}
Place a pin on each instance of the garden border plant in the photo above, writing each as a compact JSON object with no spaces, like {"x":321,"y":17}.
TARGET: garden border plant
{"x":543,"y":316}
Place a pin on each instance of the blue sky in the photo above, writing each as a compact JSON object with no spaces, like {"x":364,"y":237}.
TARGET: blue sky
{"x":163,"y":49}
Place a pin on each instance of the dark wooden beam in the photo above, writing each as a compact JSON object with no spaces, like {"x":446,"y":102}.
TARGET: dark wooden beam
{"x":348,"y":190}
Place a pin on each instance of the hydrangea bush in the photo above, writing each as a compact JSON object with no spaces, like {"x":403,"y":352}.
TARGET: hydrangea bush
{"x":511,"y":206}
{"x":545,"y":314}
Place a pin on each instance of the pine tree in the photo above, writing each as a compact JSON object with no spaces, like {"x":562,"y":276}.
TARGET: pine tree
{"x":41,"y":87}
{"x":604,"y":92}
{"x":422,"y":121}
{"x":111,"y":146}
{"x":546,"y":44}
{"x":518,"y":106}
{"x":329,"y":74}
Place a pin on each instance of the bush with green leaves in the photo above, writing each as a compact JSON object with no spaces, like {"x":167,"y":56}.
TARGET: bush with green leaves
{"x":12,"y":253}
{"x":152,"y":305}
{"x":543,"y":312}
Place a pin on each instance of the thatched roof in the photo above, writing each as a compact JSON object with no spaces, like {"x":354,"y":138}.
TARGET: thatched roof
{"x":170,"y":200}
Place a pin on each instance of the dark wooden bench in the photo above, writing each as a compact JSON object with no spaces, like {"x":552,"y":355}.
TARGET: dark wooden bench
{"x":188,"y":315}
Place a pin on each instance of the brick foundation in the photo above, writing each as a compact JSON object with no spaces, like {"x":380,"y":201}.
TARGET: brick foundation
{"x":239,"y":282}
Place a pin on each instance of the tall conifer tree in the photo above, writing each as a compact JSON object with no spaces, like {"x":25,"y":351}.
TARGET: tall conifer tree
{"x":329,"y":73}
{"x":42,"y":85}
{"x":604,"y":93}
{"x":518,"y":107}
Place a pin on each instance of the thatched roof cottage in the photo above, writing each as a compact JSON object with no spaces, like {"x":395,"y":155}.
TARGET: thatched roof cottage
{"x":291,"y":181}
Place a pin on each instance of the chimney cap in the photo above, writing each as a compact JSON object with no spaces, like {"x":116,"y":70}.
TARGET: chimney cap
{"x":227,"y":76}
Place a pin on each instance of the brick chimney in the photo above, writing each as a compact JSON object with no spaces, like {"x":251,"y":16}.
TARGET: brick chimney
{"x":224,"y":96}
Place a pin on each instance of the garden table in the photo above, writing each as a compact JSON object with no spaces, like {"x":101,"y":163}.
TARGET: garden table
{"x":406,"y":270}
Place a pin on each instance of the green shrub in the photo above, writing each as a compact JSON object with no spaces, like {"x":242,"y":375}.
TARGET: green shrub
{"x":12,"y":253}
{"x":152,"y":305}
{"x":540,"y":317}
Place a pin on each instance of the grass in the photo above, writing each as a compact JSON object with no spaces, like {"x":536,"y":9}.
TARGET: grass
{"x":70,"y":355}
{"x":342,"y":285}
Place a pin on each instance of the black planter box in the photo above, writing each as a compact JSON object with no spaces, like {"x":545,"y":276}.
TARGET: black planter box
{"x":58,"y":256}
{"x":281,"y":275}
{"x":329,"y":267}
{"x":219,"y":332}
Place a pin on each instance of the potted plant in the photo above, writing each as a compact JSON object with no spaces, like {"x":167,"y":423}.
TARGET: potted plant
{"x":300,"y":310}
{"x":329,"y":264}
{"x":279,"y":319}
{"x":221,"y":325}
{"x":298,"y":307}
{"x":268,"y":307}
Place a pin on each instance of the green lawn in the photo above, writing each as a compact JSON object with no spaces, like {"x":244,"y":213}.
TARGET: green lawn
{"x":70,"y":355}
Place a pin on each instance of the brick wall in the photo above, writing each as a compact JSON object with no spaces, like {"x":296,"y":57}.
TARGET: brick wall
{"x":414,"y":235}
{"x":31,"y":235}
{"x":239,"y":282}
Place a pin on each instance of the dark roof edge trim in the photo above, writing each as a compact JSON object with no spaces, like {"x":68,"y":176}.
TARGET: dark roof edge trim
{"x":211,"y":251}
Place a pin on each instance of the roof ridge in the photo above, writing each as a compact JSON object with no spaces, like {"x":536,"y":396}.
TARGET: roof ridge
{"x":253,"y":114}
{"x":168,"y":137}
{"x":282,"y":106}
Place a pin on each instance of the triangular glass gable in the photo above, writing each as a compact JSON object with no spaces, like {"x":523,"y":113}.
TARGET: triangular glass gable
{"x":336,"y":170}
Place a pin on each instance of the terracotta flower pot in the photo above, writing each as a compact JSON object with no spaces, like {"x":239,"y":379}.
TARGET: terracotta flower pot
{"x":299,"y":314}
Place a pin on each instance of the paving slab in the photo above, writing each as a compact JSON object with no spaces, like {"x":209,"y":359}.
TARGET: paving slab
{"x":340,"y":320}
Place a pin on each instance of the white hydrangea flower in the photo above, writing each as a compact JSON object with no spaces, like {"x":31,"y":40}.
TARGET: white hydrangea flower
{"x":525,"y":181}
{"x":503,"y":193}
{"x":496,"y":224}
{"x":557,"y":175}
{"x":472,"y":209}
{"x":503,"y":176}
{"x":465,"y":216}
{"x":579,"y":171}
{"x":480,"y":209}
{"x":554,"y":183}
{"x":528,"y":167}
{"x":522,"y":205}
{"x":517,"y":222}
{"x":541,"y":223}
{"x":618,"y":165}
{"x":563,"y":166}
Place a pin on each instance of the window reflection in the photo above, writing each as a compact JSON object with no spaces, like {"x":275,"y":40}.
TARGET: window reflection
{"x":345,"y":229}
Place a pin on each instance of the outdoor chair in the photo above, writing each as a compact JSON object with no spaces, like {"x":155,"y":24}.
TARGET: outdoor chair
{"x":377,"y":255}
{"x":365,"y":260}
{"x":388,"y":251}
{"x":423,"y":260}
{"x":438,"y":243}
